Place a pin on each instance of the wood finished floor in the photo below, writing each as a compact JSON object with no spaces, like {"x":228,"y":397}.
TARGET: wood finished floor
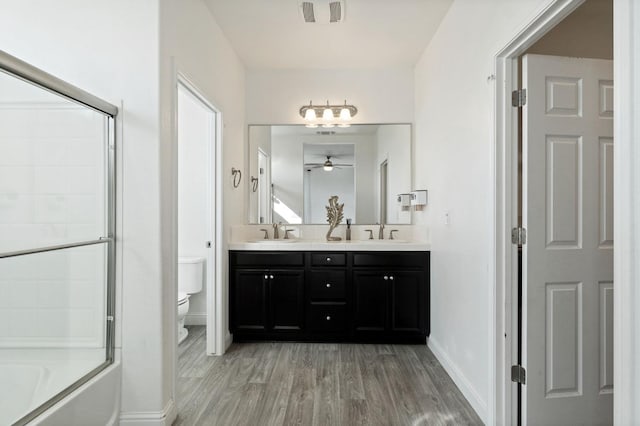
{"x":315,"y":384}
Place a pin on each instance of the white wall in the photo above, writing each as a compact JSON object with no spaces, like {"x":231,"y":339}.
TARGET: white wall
{"x":323,"y":185}
{"x":381,"y":95}
{"x":392,"y":147}
{"x":111,"y":50}
{"x":454,"y":161}
{"x":287,"y":174}
{"x":193,"y":44}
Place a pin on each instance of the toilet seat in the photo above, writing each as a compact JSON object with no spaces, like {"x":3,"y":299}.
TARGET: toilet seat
{"x":182,"y":298}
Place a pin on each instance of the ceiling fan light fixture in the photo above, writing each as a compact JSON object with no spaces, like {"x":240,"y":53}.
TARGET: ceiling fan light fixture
{"x":328,"y":165}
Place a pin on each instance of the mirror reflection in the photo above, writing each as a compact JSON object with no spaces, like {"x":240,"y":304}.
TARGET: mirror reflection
{"x":294,"y":170}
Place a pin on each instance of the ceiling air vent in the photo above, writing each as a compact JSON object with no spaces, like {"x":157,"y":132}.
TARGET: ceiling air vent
{"x":335,"y":11}
{"x":322,"y":11}
{"x":307,"y":12}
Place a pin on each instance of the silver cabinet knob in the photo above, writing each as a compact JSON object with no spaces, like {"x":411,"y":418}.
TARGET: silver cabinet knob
{"x":271,"y":276}
{"x":386,"y":278}
{"x":328,"y":259}
{"x":328,"y":285}
{"x":266,"y":277}
{"x":391,"y":277}
{"x":328,"y":318}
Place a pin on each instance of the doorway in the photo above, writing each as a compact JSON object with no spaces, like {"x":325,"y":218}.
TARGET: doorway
{"x":384,"y":182}
{"x":198,"y":141}
{"x":556,"y":325}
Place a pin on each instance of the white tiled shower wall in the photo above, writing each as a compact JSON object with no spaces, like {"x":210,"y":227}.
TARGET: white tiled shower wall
{"x":52,"y":191}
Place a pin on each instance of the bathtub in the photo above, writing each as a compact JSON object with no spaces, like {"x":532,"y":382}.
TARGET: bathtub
{"x":30,"y":378}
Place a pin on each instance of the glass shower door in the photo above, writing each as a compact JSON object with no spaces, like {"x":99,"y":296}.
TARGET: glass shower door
{"x":56,"y":240}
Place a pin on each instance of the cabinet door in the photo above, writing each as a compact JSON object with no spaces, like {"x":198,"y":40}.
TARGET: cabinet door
{"x":286,"y":299}
{"x":407,"y":301}
{"x":371,"y":299}
{"x":250,"y":307}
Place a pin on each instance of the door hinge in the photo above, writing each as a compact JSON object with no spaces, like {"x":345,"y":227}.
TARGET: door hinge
{"x":519,"y":236}
{"x":519,"y":98}
{"x":518,"y":374}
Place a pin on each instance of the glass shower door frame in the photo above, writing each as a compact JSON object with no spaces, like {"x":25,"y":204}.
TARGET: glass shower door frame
{"x":35,"y":76}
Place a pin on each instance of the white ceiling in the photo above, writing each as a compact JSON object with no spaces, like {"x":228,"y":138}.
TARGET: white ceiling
{"x":375,"y":33}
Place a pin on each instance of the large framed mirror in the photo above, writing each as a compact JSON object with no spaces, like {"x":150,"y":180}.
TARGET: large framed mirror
{"x":294,"y":170}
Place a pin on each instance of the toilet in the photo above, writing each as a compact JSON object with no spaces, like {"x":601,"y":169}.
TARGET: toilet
{"x":190,"y":276}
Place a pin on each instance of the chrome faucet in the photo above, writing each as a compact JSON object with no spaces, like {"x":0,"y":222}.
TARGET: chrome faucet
{"x":276,"y":231}
{"x":381,"y":232}
{"x":266,"y":234}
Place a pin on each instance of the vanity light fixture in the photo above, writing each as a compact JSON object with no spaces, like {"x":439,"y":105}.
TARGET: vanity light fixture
{"x":332,"y":115}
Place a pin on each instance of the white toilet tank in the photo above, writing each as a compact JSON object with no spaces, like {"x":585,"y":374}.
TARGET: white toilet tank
{"x":190,"y":272}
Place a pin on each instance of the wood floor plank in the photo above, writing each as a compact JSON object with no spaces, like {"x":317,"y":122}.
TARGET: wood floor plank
{"x":278,"y":384}
{"x":301,"y":398}
{"x":326,"y":407}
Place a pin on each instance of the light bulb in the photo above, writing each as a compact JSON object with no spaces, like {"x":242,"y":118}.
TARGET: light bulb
{"x":345,"y":114}
{"x":328,"y":168}
{"x":327,"y":114}
{"x":310,"y":114}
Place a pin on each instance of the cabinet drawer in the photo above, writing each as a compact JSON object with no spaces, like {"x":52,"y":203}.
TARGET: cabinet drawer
{"x":328,"y":317}
{"x":328,"y":284}
{"x":328,"y":259}
{"x":394,"y":259}
{"x":267,"y":259}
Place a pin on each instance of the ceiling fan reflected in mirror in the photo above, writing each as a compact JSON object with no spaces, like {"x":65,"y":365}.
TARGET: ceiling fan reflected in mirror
{"x":328,"y":165}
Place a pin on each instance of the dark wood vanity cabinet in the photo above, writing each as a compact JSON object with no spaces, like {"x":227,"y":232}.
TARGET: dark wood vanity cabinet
{"x":391,"y":294}
{"x":333,"y":296}
{"x":388,"y":302}
{"x":327,"y":297}
{"x":267,"y":294}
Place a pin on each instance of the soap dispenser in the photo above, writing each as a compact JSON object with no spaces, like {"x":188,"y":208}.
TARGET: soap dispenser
{"x":348,"y":237}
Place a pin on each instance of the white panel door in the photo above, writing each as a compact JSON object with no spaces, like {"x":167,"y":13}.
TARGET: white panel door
{"x":568,"y":256}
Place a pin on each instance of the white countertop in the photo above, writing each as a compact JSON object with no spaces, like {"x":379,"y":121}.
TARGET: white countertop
{"x":319,"y":245}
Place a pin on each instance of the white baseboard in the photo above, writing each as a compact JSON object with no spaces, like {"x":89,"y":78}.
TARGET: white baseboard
{"x":165,"y":417}
{"x":459,"y":379}
{"x":228,"y":340}
{"x":196,"y":318}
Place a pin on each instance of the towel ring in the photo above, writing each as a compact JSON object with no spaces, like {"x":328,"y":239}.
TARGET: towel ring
{"x":237,"y":177}
{"x":254,"y":184}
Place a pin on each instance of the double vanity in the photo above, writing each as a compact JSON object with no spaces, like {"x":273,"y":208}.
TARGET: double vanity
{"x":351,"y":291}
{"x":311,"y":289}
